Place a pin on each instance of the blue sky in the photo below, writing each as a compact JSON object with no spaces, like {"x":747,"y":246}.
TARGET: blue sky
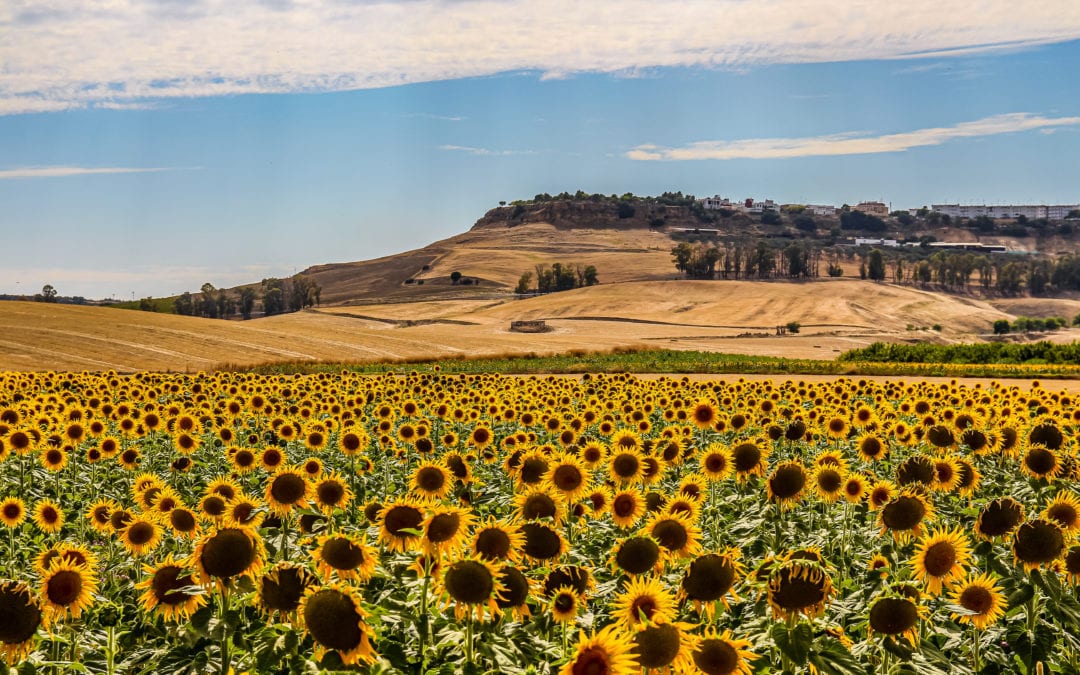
{"x":157,"y":145}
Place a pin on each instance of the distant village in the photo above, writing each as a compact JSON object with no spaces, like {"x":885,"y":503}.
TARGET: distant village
{"x":879,"y":209}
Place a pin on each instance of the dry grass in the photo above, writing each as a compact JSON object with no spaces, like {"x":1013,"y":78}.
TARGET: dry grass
{"x":733,"y":317}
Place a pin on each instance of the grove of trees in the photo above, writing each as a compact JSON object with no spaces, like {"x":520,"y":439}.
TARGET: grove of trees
{"x":557,"y":277}
{"x":277,"y":295}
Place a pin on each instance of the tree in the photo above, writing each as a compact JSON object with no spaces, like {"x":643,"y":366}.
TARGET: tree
{"x":147,"y":304}
{"x":588,"y":276}
{"x":208,"y":305}
{"x":805,"y":223}
{"x":1075,"y":213}
{"x":247,"y":301}
{"x":876,"y":268}
{"x":625,"y":210}
{"x":185,"y":304}
{"x":524,"y":283}
{"x":770,"y":218}
{"x":273,"y":296}
{"x":48,"y":294}
{"x":455,"y":277}
{"x":1001,"y":327}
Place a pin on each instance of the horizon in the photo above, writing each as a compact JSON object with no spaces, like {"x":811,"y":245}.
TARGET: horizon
{"x":157,"y":146}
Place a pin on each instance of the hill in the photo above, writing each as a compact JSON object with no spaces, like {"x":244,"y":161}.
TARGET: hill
{"x":734,"y":317}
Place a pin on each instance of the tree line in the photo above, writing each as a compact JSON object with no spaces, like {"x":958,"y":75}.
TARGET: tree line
{"x":276,"y":295}
{"x":557,"y":277}
{"x":746,"y":260}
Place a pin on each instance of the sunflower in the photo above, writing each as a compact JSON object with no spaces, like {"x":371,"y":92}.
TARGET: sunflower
{"x":837,"y":427}
{"x":244,"y":511}
{"x":748,"y":458}
{"x":334,"y":619}
{"x":636,"y":555}
{"x":603,"y":653}
{"x":331,"y":493}
{"x":598,"y":502}
{"x":141,"y":536}
{"x":542,"y":542}
{"x":644,"y":601}
{"x":940,"y":557}
{"x":946,"y":474}
{"x":625,"y":466}
{"x":854,"y":489}
{"x":871,"y":448}
{"x":73,"y":553}
{"x":228,"y":552}
{"x":1064,"y":510}
{"x":351,"y":442}
{"x":445,"y":529}
{"x":281,"y":589}
{"x":53,"y":459}
{"x":19,"y":620}
{"x":168,"y":591}
{"x":709,"y":578}
{"x":592,"y":453}
{"x":66,"y":590}
{"x":564,"y":605}
{"x":676,"y":534}
{"x":894,"y":616}
{"x":715,"y":462}
{"x":287,"y":489}
{"x":1072,"y":564}
{"x":721,"y":654}
{"x":798,"y":586}
{"x":999,"y":518}
{"x":183,"y":522}
{"x":399,"y":525}
{"x":982,"y":599}
{"x":515,"y":595}
{"x":498,"y":540}
{"x":48,"y":516}
{"x":627,"y":507}
{"x":536,"y":503}
{"x":664,"y":647}
{"x":703,"y":415}
{"x":916,"y":469}
{"x":272,"y":458}
{"x":1039,"y":461}
{"x":904,"y":515}
{"x":347,"y":556}
{"x":431,"y":480}
{"x":1038,"y":542}
{"x":472,"y":585}
{"x":786,"y":484}
{"x":567,"y":476}
{"x":12,"y":512}
{"x":879,"y":564}
{"x":969,"y":478}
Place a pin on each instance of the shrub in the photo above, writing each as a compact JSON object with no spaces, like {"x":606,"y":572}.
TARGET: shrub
{"x":793,"y":326}
{"x":625,"y":210}
{"x":1001,"y":327}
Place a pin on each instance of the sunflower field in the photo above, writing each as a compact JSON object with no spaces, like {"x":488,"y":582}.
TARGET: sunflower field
{"x":593,"y":525}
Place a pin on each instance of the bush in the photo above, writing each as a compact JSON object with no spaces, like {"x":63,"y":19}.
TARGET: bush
{"x":770,"y":218}
{"x":1001,"y":327}
{"x":936,"y":327}
{"x":805,"y":223}
{"x":793,"y":326}
{"x":1076,"y":320}
{"x":836,"y":271}
{"x":625,"y":210}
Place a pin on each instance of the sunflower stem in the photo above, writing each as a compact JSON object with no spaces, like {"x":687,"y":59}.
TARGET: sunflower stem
{"x":225,"y":638}
{"x":425,"y":623}
{"x":975,"y":636}
{"x":110,"y":651}
{"x":285,"y":536}
{"x":469,"y":640}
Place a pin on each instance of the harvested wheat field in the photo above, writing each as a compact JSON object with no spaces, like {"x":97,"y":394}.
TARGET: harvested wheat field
{"x":734,"y":317}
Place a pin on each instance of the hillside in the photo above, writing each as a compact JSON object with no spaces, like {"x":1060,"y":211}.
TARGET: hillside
{"x":734,"y":317}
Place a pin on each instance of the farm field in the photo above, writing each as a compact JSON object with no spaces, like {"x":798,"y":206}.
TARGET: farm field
{"x":731,"y":317}
{"x":238,"y":522}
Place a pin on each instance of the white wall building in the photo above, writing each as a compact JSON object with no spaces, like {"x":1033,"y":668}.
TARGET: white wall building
{"x":1029,"y":211}
{"x":820,"y":210}
{"x":717,"y":202}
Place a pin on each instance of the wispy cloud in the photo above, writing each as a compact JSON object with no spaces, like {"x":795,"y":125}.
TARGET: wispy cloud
{"x":66,"y":171}
{"x":849,"y":143}
{"x":64,"y":54}
{"x":485,"y":151}
{"x":440,"y":118}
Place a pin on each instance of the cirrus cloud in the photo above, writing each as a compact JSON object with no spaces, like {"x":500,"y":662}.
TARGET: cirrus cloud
{"x":850,"y":143}
{"x":63,"y":54}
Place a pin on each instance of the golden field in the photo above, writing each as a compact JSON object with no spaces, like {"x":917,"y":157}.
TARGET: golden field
{"x":736,"y":317}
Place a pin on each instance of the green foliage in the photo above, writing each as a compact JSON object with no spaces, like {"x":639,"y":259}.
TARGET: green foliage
{"x":875,"y":269}
{"x":978,"y":353}
{"x":805,"y":223}
{"x":793,"y":326}
{"x":771,"y":218}
{"x":625,"y":210}
{"x":524,"y":283}
{"x":857,"y":220}
{"x":1001,"y":327}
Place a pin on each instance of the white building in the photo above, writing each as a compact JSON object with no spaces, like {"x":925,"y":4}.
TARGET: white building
{"x":717,"y":202}
{"x":891,"y":243}
{"x":1029,"y":211}
{"x":820,"y":210}
{"x":753,"y":206}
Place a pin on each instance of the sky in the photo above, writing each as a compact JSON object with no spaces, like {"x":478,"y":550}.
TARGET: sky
{"x":150,"y":146}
